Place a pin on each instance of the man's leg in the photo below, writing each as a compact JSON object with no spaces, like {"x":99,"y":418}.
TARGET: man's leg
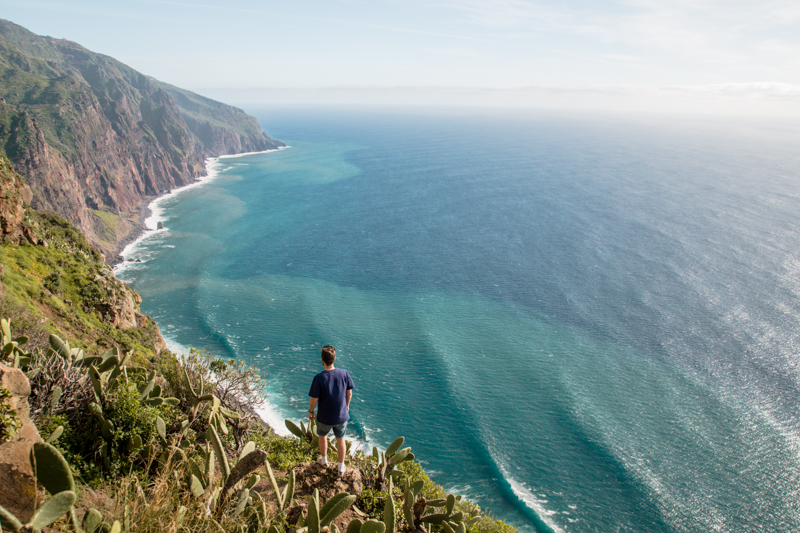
{"x":323,"y":443}
{"x":323,"y":447}
{"x":340,"y":451}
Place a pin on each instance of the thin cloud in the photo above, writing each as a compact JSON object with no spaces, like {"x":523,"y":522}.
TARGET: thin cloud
{"x":459,"y":52}
{"x":344,"y":22}
{"x":720,"y":32}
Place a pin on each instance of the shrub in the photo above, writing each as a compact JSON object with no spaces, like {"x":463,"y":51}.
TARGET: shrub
{"x":9,"y":418}
{"x":233,"y":382}
{"x":412,"y":470}
{"x":372,"y":501}
{"x":283,"y":452}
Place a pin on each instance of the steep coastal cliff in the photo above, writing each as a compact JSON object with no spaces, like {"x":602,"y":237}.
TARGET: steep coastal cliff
{"x":51,"y":276}
{"x":94,"y":137}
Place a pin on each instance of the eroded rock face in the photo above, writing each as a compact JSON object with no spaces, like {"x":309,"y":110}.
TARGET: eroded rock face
{"x":13,"y":192}
{"x":18,"y":492}
{"x":119,"y":304}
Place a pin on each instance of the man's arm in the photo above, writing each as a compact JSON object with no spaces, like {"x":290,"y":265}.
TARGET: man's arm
{"x":311,"y":405}
{"x":347,"y":396}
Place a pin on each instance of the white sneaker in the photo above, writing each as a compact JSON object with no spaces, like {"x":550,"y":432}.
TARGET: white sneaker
{"x":322,"y":460}
{"x":342,"y":468}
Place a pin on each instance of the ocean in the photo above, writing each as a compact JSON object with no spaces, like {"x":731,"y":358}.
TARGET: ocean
{"x":582,"y":322}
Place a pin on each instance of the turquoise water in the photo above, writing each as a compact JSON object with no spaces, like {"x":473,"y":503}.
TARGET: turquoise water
{"x":582,"y":323}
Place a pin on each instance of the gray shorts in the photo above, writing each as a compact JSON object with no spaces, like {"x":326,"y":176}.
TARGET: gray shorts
{"x":338,"y":430}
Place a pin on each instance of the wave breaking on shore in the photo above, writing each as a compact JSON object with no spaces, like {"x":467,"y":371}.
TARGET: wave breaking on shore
{"x":152,"y":215}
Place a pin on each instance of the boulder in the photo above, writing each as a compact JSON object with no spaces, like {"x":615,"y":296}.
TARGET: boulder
{"x":18,"y":490}
{"x":313,"y":475}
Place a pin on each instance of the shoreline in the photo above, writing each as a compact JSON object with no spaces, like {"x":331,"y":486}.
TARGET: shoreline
{"x":146,"y":211}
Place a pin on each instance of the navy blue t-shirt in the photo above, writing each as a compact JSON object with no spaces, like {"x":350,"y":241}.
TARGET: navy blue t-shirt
{"x":330,"y":387}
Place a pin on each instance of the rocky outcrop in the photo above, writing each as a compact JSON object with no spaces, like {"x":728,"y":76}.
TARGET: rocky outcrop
{"x":115,"y":302}
{"x":118,"y":304}
{"x":14,"y":194}
{"x":18,"y":491}
{"x":95,"y":138}
{"x":313,"y":476}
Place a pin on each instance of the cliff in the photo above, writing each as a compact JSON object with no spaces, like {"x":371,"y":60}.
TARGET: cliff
{"x":94,"y":137}
{"x":52,"y":279}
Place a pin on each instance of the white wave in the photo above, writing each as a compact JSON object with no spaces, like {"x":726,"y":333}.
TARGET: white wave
{"x":273,"y":418}
{"x":175,"y":347}
{"x":228,"y":156}
{"x":534,"y":503}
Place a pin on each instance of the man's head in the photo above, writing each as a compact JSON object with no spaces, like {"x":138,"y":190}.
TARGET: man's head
{"x":328,"y":355}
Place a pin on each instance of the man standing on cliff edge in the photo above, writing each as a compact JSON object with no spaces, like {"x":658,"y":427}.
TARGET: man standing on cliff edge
{"x":332,"y":390}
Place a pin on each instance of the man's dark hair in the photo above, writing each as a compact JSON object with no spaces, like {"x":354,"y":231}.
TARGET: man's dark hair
{"x":328,"y":355}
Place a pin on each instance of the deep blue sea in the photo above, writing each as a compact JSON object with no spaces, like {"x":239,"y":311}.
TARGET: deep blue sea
{"x":583,"y":322}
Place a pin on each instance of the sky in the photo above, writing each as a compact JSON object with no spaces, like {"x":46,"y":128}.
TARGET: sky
{"x":714,"y":56}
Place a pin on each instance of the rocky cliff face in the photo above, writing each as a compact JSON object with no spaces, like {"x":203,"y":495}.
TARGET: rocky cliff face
{"x":102,"y":293}
{"x":94,"y":138}
{"x":14,"y":194}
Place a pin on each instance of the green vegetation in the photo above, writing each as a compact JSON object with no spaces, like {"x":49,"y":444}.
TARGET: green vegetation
{"x":67,"y":287}
{"x":9,"y":419}
{"x":107,"y":231}
{"x":113,"y":426}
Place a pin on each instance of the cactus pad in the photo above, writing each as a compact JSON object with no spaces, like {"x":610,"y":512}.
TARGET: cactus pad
{"x":51,"y":469}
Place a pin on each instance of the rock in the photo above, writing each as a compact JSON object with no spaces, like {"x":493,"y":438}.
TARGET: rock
{"x":294,"y":513}
{"x":313,"y":475}
{"x":160,"y":225}
{"x":119,"y":306}
{"x":310,"y":476}
{"x":27,"y":194}
{"x":18,"y":492}
{"x":12,"y":206}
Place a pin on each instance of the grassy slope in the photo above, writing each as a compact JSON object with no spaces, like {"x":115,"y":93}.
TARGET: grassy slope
{"x":207,"y":110}
{"x":56,"y":290}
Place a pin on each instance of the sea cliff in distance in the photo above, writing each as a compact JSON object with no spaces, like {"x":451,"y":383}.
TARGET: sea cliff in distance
{"x":95,"y":138}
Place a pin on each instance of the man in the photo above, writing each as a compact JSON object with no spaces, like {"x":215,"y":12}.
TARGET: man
{"x":331,"y":390}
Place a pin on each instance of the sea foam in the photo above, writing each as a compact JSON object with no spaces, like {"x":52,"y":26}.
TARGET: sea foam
{"x":532,"y":502}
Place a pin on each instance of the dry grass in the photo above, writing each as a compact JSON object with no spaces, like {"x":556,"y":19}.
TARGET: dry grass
{"x":162,"y":503}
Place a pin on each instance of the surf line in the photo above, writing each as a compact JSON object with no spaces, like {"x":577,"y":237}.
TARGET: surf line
{"x":155,"y":210}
